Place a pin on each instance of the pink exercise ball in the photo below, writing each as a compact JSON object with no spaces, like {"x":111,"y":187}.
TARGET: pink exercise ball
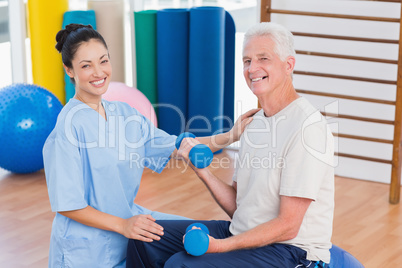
{"x":118,"y":91}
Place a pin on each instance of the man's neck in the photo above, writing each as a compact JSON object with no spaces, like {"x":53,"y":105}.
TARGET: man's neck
{"x":277,"y":100}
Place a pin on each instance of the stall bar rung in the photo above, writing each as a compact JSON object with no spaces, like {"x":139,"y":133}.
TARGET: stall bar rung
{"x":393,"y":1}
{"x":330,"y":15}
{"x":379,"y":160}
{"x":358,"y":118}
{"x":356,"y":137}
{"x":340,"y":96}
{"x":348,"y":38}
{"x":348,"y":57}
{"x":381,"y":81}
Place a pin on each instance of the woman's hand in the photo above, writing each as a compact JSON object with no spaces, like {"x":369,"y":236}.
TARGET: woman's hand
{"x":241,"y":123}
{"x":185,"y":147}
{"x":142,"y":227}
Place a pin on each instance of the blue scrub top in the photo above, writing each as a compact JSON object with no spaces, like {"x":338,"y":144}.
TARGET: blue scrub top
{"x":90,"y":161}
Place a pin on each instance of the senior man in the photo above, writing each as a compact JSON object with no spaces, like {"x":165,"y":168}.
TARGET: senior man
{"x":281,"y":200}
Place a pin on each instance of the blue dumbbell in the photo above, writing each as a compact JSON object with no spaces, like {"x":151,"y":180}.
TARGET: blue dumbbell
{"x":200,"y":155}
{"x":196,"y":241}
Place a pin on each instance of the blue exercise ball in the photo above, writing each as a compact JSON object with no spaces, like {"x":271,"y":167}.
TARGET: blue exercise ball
{"x":28,"y":114}
{"x":342,"y":258}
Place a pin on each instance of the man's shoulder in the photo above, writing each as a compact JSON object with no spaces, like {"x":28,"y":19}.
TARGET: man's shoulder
{"x":303,"y":112}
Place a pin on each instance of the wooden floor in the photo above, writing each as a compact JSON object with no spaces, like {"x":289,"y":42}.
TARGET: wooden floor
{"x":365,"y":223}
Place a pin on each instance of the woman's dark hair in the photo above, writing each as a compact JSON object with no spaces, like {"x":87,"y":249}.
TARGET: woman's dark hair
{"x":70,"y":38}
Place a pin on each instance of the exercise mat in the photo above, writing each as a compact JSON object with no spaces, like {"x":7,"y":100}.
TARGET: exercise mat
{"x":145,"y":39}
{"x":45,"y":18}
{"x":206,"y":70}
{"x":172,"y":69}
{"x":229,"y":82}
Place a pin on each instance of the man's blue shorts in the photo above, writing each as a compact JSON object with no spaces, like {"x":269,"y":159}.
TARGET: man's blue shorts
{"x":169,"y":251}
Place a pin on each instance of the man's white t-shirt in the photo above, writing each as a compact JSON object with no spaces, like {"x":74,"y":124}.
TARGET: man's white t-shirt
{"x":289,"y":154}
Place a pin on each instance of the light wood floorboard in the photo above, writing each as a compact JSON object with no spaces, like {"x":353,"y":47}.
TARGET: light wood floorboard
{"x":365,"y":223}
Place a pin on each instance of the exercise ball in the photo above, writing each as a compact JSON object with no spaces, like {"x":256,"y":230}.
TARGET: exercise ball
{"x":342,"y":258}
{"x":28,"y":114}
{"x":119,"y":91}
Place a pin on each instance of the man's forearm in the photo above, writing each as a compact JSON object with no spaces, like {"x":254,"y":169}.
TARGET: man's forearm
{"x":276,"y":230}
{"x":224,"y":194}
{"x":262,"y":235}
{"x":284,"y":227}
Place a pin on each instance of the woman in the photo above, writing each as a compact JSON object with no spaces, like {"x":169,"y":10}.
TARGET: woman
{"x":94,"y":159}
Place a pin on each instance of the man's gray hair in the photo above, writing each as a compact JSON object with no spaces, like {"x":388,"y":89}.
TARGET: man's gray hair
{"x":282,"y":37}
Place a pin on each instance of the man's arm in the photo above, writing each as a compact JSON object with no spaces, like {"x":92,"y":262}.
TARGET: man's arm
{"x":223,"y":193}
{"x":285,"y":227}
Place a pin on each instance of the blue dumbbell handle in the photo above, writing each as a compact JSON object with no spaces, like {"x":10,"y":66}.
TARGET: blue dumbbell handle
{"x":196,"y":241}
{"x":200,"y":155}
{"x":199,"y":225}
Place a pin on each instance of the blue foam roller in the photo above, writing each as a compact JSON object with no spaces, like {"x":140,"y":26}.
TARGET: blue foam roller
{"x":229,"y":81}
{"x":196,"y":242}
{"x":86,"y":17}
{"x":342,"y":258}
{"x":172,"y":67}
{"x":206,"y":70}
{"x":199,"y":225}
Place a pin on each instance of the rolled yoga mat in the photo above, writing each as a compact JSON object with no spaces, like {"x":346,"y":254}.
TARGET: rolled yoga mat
{"x":110,"y":24}
{"x":229,"y":82}
{"x":145,"y":39}
{"x":86,"y":17}
{"x":45,"y":18}
{"x":172,"y":69}
{"x":206,"y":70}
